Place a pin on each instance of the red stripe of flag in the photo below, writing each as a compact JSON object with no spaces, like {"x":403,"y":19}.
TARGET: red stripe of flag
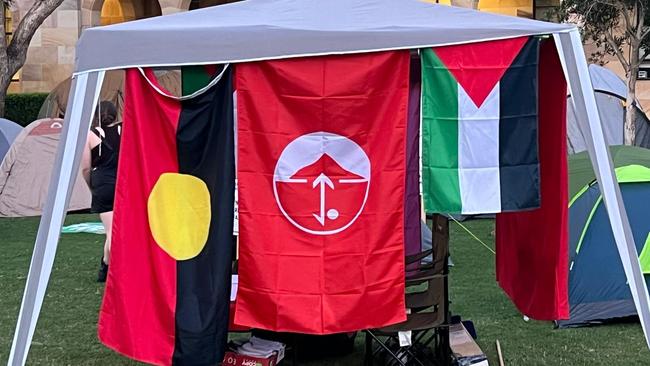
{"x":532,"y":246}
{"x":137,"y":317}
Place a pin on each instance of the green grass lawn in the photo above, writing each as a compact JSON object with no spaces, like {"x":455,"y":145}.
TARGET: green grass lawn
{"x":66,"y":332}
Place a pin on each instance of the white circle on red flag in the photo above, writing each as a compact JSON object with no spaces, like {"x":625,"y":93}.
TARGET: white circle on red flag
{"x":321,"y":182}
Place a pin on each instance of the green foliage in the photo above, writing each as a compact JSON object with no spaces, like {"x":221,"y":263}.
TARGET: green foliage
{"x":609,"y":24}
{"x":23,"y":108}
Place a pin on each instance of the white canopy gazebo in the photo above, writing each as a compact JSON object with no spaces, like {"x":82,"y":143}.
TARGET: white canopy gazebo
{"x":274,"y":29}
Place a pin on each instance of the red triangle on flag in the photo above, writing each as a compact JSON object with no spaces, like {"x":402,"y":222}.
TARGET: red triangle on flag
{"x":477,"y":67}
{"x":325,"y":165}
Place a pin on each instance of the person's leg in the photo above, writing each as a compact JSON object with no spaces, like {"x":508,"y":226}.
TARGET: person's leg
{"x":107,"y":221}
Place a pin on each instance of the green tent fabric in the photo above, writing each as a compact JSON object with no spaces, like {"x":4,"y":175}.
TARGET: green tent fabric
{"x":598,"y":288}
{"x":644,"y":258}
{"x":582,"y":172}
{"x":633,"y":174}
{"x":624,"y":174}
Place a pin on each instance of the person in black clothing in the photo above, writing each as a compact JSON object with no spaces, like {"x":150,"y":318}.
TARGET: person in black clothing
{"x":99,"y":168}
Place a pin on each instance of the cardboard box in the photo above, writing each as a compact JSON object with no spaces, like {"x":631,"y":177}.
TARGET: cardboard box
{"x":466,"y":351}
{"x":235,"y":359}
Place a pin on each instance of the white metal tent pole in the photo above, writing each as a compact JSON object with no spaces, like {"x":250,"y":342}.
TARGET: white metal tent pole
{"x":574,"y":62}
{"x":81,"y":103}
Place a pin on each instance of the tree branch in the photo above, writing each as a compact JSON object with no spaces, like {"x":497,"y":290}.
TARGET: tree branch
{"x":17,"y":49}
{"x":636,"y":40}
{"x":621,"y":58}
{"x":640,"y":33}
{"x":613,"y":3}
{"x":644,"y":54}
{"x":645,"y":34}
{"x":629,"y":29}
{"x":3,"y":41}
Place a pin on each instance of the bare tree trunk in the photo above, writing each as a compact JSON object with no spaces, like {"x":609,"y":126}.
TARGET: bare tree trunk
{"x":13,"y":55}
{"x":4,"y":85}
{"x":630,"y":106}
{"x":630,"y":109}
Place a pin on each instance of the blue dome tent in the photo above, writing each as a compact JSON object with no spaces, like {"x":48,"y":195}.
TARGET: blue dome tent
{"x":598,"y":289}
{"x":8,"y":132}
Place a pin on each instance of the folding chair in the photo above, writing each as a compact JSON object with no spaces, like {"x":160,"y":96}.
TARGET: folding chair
{"x":428,"y":319}
{"x":422,"y":325}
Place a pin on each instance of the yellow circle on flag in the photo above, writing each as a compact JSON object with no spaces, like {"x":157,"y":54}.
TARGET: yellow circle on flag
{"x":179,"y":214}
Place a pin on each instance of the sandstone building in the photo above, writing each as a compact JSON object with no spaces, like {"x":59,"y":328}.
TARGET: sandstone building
{"x":50,"y":58}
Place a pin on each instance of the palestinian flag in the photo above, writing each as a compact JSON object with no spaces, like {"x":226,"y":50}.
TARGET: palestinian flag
{"x":321,"y":172}
{"x":532,"y":247}
{"x":479,"y":127}
{"x":167,"y":295}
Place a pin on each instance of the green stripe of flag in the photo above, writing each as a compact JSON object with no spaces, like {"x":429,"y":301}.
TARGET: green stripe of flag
{"x":194,"y":78}
{"x":439,"y":136}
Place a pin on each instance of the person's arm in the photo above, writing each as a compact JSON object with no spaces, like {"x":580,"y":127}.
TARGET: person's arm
{"x":85,"y":162}
{"x":91,"y":142}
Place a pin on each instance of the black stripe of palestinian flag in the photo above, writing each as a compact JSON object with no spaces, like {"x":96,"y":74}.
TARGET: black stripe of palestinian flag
{"x":479,"y":127}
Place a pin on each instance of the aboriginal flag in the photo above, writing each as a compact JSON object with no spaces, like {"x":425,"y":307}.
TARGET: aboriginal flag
{"x":321,"y":172}
{"x":167,"y":295}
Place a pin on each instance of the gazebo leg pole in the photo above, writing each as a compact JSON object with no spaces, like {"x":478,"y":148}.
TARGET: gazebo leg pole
{"x":84,"y":93}
{"x":574,"y":62}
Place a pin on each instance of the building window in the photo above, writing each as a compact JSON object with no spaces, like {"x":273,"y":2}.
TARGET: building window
{"x":9,"y":29}
{"x":520,"y":8}
{"x":198,"y":4}
{"x":9,"y":24}
{"x":116,"y":11}
{"x":119,"y":11}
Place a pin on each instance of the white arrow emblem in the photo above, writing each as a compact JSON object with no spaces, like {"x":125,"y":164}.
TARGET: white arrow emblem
{"x":307,"y":150}
{"x":321,"y":181}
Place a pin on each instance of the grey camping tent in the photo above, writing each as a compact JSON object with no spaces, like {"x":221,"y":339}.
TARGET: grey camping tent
{"x":26,"y":170}
{"x":8,"y":132}
{"x":610,"y":92}
{"x":256,"y":30}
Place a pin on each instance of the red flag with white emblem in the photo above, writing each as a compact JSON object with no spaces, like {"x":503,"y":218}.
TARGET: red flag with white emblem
{"x":321,"y":171}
